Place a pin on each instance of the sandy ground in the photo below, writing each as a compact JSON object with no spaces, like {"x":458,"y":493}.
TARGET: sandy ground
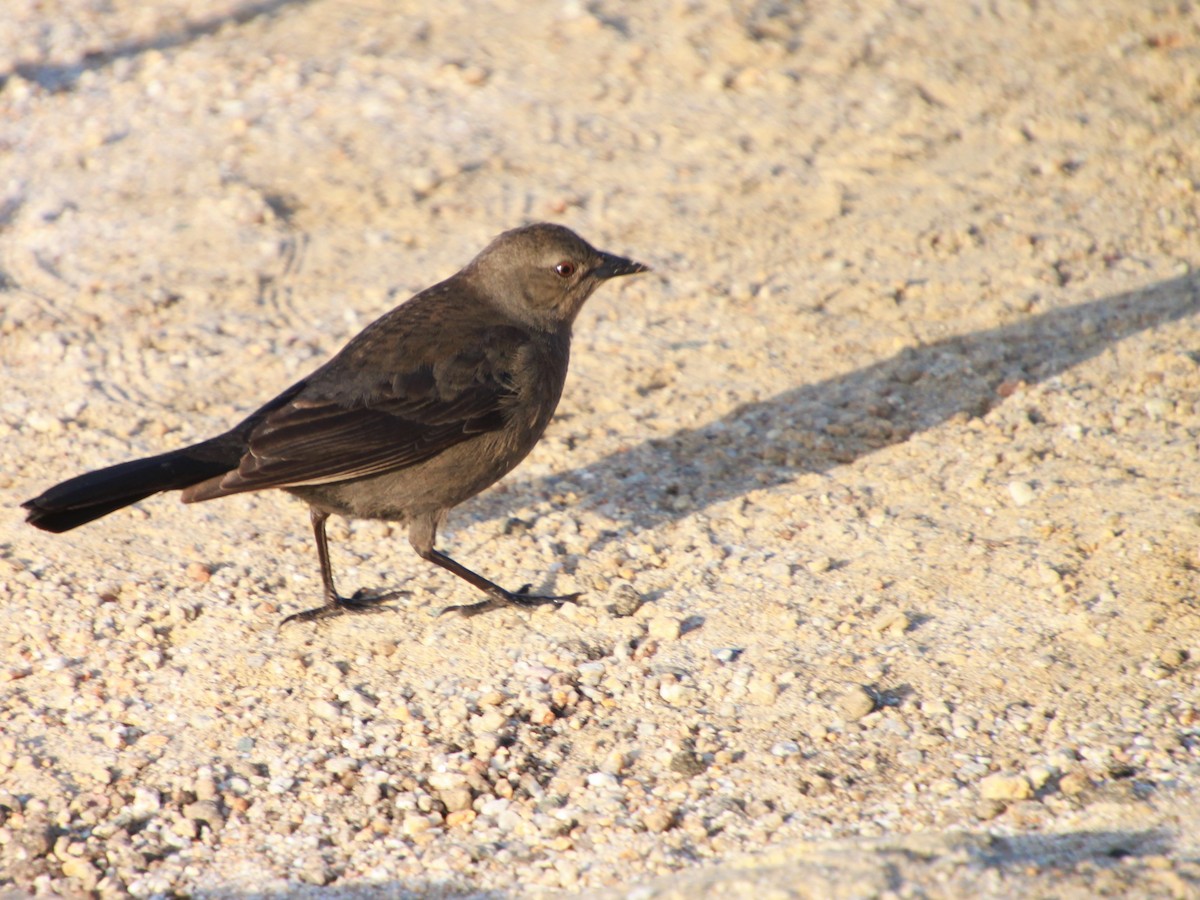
{"x":881,"y":490}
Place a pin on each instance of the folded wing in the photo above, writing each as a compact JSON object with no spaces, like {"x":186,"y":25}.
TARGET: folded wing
{"x":327,"y":433}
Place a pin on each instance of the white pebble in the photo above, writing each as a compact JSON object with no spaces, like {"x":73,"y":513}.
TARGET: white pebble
{"x":1022,"y":492}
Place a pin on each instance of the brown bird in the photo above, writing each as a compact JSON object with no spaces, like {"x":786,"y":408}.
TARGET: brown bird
{"x":426,"y":407}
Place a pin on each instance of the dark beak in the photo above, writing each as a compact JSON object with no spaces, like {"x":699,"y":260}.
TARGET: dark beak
{"x":611,"y":266}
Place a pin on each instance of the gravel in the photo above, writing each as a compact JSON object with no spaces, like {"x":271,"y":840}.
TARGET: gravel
{"x":880,"y":491}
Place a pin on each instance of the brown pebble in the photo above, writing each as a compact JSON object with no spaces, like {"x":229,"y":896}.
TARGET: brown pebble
{"x":988,"y":809}
{"x":664,"y":628}
{"x":456,"y":799}
{"x":658,"y":820}
{"x":1172,"y":658}
{"x":1074,"y":783}
{"x":81,"y":870}
{"x":199,"y":572}
{"x":856,"y":702}
{"x":205,"y":811}
{"x":1001,"y":786}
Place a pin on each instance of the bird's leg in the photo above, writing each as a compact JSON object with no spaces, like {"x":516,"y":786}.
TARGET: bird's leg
{"x":335,"y":605}
{"x":497,"y":596}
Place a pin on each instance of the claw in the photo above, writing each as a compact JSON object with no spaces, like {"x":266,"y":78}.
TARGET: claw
{"x":521,"y":598}
{"x":363,"y":601}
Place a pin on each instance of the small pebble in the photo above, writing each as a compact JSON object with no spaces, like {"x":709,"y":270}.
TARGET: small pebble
{"x":456,"y":799}
{"x":460,"y":817}
{"x":676,"y":693}
{"x":81,"y":870}
{"x":1022,"y":493}
{"x":658,"y":820}
{"x":891,"y":621}
{"x":1172,"y":657}
{"x":770,"y":530}
{"x":820,"y":565}
{"x":414,"y":823}
{"x":1003,"y":786}
{"x":205,"y":811}
{"x":323,"y":709}
{"x":935,"y":709}
{"x":145,"y":801}
{"x":855,"y":702}
{"x":985,"y":810}
{"x":624,"y":600}
{"x":1074,"y":783}
{"x":762,"y":689}
{"x":1039,"y":776}
{"x":664,"y":628}
{"x":199,"y":572}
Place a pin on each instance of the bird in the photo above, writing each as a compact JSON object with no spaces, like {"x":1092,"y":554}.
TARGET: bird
{"x":427,"y":406}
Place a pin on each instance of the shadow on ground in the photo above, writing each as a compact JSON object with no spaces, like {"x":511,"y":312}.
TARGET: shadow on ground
{"x":956,"y":862}
{"x":852,"y":415}
{"x":57,"y":77}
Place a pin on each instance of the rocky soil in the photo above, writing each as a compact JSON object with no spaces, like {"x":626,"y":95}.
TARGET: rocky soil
{"x":881,"y":490}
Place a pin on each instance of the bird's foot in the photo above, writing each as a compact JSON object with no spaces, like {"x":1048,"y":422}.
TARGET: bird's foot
{"x":521,"y":598}
{"x":363,"y":601}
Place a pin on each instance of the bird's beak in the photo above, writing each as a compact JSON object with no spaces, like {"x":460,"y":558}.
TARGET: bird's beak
{"x":611,"y":266}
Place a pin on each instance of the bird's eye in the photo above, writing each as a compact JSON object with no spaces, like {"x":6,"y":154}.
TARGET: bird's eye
{"x":565,"y":269}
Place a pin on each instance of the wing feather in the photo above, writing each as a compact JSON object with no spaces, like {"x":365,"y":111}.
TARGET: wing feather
{"x":325,"y":434}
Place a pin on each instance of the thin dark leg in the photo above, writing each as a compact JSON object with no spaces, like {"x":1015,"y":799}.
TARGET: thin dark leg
{"x":318,"y":523}
{"x":497,"y":596}
{"x":334,"y":604}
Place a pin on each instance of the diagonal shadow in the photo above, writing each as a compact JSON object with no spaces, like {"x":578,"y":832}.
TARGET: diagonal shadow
{"x":57,"y":77}
{"x":819,"y":426}
{"x":1064,"y":850}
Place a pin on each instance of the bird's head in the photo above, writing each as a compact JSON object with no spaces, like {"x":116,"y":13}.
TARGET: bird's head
{"x":541,"y":274}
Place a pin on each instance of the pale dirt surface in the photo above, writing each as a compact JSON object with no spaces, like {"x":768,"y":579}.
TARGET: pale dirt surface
{"x":881,"y":490}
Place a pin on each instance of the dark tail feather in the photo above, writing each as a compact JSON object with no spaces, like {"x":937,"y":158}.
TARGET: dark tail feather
{"x":95,"y":494}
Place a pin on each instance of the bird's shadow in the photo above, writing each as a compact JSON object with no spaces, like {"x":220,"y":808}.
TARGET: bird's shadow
{"x":851,"y":415}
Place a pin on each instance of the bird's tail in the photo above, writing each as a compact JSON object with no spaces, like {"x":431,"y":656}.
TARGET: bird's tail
{"x":89,"y":496}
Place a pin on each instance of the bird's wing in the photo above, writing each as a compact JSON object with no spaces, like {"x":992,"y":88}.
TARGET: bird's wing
{"x":330,"y":433}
